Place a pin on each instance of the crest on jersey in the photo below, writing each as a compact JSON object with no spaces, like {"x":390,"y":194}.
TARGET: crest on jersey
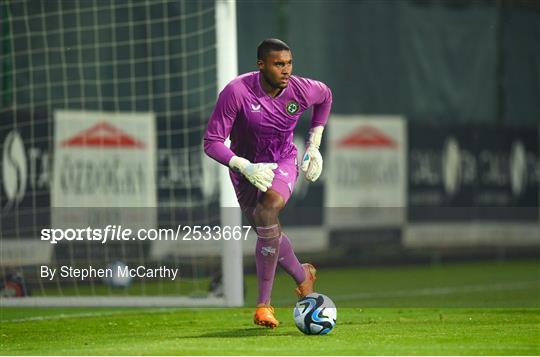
{"x":292,"y":107}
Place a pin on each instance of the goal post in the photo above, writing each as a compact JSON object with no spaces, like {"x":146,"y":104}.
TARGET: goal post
{"x":83,"y":83}
{"x":227,"y":64}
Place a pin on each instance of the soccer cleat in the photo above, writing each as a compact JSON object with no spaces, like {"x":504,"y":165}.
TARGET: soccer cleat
{"x":264,"y":316}
{"x":306,"y":287}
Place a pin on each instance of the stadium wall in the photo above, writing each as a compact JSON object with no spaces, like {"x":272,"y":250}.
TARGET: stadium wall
{"x":432,"y":61}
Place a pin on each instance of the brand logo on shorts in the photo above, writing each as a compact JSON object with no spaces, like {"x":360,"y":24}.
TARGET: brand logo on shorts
{"x":292,"y":107}
{"x":255,"y":107}
{"x":284,"y":173}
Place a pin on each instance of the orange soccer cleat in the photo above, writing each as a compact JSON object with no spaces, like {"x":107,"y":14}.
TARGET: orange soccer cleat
{"x":306,"y":287}
{"x":264,"y":316}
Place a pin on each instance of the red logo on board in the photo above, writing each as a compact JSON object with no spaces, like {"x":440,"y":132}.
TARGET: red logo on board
{"x":367,"y":137}
{"x":103,"y":135}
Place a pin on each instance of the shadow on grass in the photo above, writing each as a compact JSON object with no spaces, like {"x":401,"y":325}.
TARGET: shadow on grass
{"x":246,"y":332}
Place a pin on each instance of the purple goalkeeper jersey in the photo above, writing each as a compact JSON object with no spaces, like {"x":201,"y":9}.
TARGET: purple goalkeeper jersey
{"x":260,"y":126}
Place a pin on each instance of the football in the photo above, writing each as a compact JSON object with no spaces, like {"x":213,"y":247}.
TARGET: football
{"x":117,"y":280}
{"x":315,"y":314}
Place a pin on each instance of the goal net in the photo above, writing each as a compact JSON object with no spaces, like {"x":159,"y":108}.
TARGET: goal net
{"x":102,"y":114}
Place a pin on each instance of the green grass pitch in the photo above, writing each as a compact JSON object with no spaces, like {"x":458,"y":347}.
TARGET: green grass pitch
{"x":457,"y":309}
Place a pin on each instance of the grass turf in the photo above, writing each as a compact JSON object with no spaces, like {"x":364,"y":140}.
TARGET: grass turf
{"x":460,"y":309}
{"x":373,"y":331}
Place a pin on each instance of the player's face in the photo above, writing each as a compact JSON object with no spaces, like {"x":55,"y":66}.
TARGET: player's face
{"x":276,"y":68}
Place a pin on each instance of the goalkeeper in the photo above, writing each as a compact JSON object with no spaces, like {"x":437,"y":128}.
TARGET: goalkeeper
{"x":259,"y":111}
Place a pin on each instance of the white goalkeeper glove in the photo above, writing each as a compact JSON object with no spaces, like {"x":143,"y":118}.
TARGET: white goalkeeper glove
{"x":312,"y":162}
{"x":260,"y":175}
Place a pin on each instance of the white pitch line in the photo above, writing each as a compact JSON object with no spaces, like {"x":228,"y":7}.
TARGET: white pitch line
{"x":87,"y":314}
{"x":365,"y":295}
{"x":433,"y":291}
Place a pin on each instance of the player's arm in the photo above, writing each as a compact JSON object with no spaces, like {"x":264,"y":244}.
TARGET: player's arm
{"x":312,"y":162}
{"x":220,"y":125}
{"x":218,"y":130}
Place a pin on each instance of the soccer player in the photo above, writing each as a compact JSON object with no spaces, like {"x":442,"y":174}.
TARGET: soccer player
{"x":259,"y":111}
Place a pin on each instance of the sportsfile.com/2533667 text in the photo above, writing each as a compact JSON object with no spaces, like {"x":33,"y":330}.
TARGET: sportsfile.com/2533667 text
{"x":119,"y":233}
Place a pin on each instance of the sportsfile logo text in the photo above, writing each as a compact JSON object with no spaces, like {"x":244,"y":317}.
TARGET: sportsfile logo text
{"x":119,"y":233}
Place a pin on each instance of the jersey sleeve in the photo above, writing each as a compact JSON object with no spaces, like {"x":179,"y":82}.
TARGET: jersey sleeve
{"x":220,"y":126}
{"x":321,"y":99}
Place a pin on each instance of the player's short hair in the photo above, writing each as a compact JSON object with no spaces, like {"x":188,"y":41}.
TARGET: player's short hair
{"x":270,"y":44}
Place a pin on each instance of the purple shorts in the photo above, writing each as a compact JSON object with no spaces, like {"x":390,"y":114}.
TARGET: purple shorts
{"x":283,"y":183}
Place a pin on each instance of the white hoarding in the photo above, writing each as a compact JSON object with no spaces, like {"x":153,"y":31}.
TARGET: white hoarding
{"x":104,"y":160}
{"x":22,"y":252}
{"x":366,"y":171}
{"x":101,"y":161}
